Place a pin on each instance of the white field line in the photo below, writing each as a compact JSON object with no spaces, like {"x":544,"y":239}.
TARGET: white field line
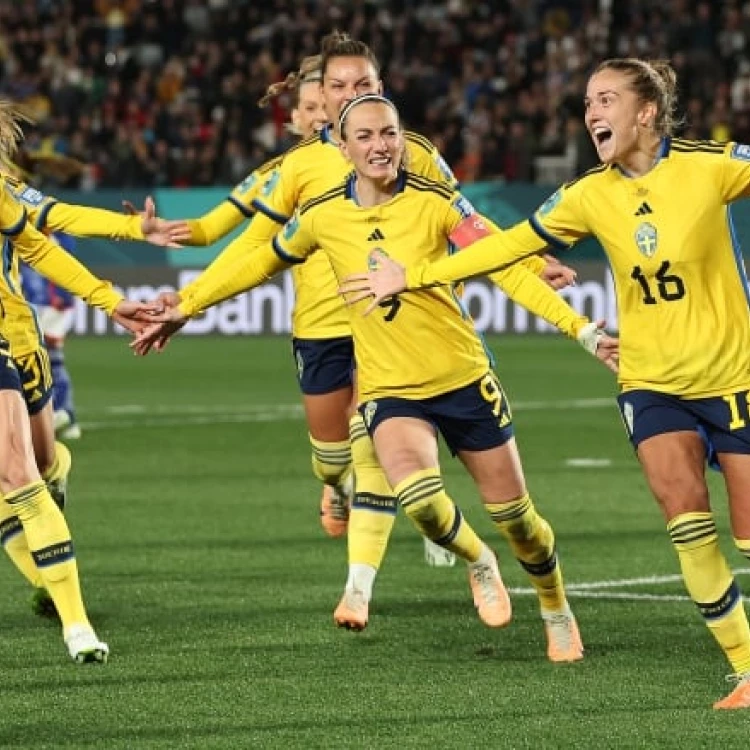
{"x":602,"y":589}
{"x":169,"y":415}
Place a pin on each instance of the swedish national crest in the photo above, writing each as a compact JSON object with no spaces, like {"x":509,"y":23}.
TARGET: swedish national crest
{"x":646,"y":238}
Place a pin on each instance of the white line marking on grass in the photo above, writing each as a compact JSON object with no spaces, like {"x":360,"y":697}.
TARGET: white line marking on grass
{"x":594,"y":589}
{"x":171,"y":415}
{"x":588,"y":463}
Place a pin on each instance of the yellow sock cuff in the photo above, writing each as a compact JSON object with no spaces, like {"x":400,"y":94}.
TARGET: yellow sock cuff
{"x":61,"y":466}
{"x":357,"y":429}
{"x":331,"y":462}
{"x":418,"y":486}
{"x":692,"y":530}
{"x":512,"y":511}
{"x":23,"y":495}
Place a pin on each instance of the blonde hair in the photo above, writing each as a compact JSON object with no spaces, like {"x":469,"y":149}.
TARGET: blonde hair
{"x":653,"y":81}
{"x":11,"y":134}
{"x":309,"y":72}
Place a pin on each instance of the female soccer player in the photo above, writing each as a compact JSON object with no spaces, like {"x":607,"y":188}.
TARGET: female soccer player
{"x":27,"y":502}
{"x":322,"y":340}
{"x":659,"y":206}
{"x":19,"y":326}
{"x":421,"y":366}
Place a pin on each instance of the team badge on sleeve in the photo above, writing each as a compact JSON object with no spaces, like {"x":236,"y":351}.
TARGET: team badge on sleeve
{"x":246,"y":184}
{"x":463,"y":207}
{"x":291,"y":227}
{"x":31,"y":197}
{"x":741,"y":151}
{"x":550,"y":203}
{"x":270,"y":184}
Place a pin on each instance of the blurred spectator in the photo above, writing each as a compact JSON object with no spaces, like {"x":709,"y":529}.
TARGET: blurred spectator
{"x":164,"y":93}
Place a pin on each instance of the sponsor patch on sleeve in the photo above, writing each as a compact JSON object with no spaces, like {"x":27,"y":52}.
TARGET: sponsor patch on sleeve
{"x":463,"y":207}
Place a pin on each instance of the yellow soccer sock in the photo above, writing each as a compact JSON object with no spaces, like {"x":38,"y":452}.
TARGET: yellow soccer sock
{"x":533,"y":543}
{"x":56,"y":476}
{"x":52,"y":549}
{"x":373,"y":511}
{"x":425,"y":501}
{"x":711,"y":585}
{"x":13,"y":540}
{"x":331,"y":462}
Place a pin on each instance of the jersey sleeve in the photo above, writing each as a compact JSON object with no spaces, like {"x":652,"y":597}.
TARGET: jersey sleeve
{"x":52,"y":261}
{"x":734,"y":179}
{"x":424,"y":159}
{"x":464,"y":226}
{"x":257,"y":235}
{"x":277,"y":196}
{"x":296,"y":240}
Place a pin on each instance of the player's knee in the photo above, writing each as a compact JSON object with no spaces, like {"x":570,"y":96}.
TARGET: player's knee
{"x":679,"y":492}
{"x":16,"y":470}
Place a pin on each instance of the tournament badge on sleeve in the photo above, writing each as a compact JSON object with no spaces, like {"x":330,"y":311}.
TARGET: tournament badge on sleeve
{"x":437,"y":556}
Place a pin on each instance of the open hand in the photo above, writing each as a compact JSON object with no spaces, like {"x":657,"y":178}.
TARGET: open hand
{"x":388,"y":279}
{"x":156,"y":230}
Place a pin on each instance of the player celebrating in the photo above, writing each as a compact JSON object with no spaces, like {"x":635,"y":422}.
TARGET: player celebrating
{"x":20,"y":327}
{"x":28,"y":503}
{"x":659,"y":206}
{"x":420,"y":363}
{"x":322,"y":333}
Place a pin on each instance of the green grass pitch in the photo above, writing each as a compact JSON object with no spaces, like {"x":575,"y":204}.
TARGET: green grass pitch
{"x":195,"y":519}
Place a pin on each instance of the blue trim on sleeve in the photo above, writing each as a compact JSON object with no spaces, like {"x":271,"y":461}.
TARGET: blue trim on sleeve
{"x":285,"y":255}
{"x":17,"y":227}
{"x":241,"y":207}
{"x":546,"y":236}
{"x":41,"y":220}
{"x":271,"y":214}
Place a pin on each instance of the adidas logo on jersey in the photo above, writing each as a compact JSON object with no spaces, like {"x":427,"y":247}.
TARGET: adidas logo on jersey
{"x":643,"y":209}
{"x":376,"y":235}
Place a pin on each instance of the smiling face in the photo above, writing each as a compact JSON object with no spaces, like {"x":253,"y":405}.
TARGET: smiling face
{"x":309,"y":116}
{"x":615,"y":118}
{"x":345,"y":79}
{"x":373,"y":141}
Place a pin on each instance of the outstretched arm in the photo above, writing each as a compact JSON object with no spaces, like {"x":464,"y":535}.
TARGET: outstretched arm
{"x":86,"y":221}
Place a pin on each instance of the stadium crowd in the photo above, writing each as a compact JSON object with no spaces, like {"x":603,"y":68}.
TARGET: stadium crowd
{"x":164,"y":93}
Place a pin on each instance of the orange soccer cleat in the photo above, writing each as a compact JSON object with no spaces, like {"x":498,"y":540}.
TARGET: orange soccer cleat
{"x":334,"y":509}
{"x":353,"y":611}
{"x":563,"y":637}
{"x":740,"y":696}
{"x":490,"y":595}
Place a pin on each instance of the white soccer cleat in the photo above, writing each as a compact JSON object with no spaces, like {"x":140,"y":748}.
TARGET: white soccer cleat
{"x":84,"y":647}
{"x":437,"y":556}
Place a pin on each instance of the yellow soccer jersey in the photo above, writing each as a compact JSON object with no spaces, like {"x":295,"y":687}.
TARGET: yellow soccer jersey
{"x":682,"y":290}
{"x":17,"y":319}
{"x":308,"y":170}
{"x":20,"y":325}
{"x":238,"y":206}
